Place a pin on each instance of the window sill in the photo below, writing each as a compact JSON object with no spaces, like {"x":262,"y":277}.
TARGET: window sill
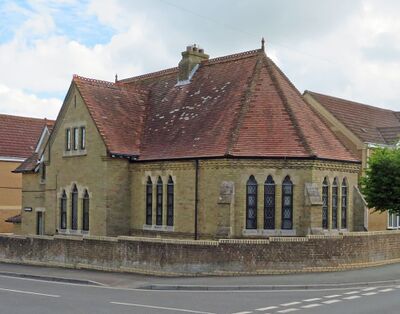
{"x":163,"y":228}
{"x":72,"y":232}
{"x":269,"y":232}
{"x":74,"y":153}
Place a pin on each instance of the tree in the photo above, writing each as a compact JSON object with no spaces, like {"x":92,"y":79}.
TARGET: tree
{"x":381,"y":185}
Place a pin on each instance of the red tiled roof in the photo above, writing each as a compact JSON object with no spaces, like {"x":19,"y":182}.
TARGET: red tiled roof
{"x":240,"y":105}
{"x":117,"y":111}
{"x":391,"y":135}
{"x":19,"y":135}
{"x":365,"y":121}
{"x":29,"y":164}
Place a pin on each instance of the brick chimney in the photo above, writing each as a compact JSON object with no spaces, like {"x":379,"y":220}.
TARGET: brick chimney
{"x":191,"y":58}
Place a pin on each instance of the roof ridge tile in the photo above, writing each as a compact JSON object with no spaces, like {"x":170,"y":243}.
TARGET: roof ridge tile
{"x":91,"y":80}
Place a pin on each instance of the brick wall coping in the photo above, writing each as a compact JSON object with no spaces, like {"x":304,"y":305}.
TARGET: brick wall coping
{"x":202,"y":242}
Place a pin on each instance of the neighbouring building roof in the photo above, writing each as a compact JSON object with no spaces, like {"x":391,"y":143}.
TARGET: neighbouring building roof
{"x":240,"y":105}
{"x":19,"y":135}
{"x":14,"y":219}
{"x":29,"y":164}
{"x":370,"y":124}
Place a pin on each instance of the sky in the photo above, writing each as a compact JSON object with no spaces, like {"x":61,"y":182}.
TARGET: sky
{"x":347,"y":49}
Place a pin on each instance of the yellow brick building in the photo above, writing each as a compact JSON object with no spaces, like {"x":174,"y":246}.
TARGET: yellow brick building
{"x":361,"y":128}
{"x":213,"y":148}
{"x":18,"y":138}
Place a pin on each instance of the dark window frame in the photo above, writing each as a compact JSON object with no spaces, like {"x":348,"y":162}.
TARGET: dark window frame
{"x":85,"y":211}
{"x":269,"y":203}
{"x":170,"y":202}
{"x":63,"y":211}
{"x":74,"y":208}
{"x":82,"y":138}
{"x":251,"y":203}
{"x":149,"y":202}
{"x":335,"y":201}
{"x":68,"y":139}
{"x":39,"y":223}
{"x":344,"y":200}
{"x":43,"y":171}
{"x":325,"y":203}
{"x":287,"y":209}
{"x":159,"y":202}
{"x":75,"y":138}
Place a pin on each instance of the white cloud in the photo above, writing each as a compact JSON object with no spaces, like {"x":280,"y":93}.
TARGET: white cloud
{"x":16,"y":102}
{"x":354,"y":56}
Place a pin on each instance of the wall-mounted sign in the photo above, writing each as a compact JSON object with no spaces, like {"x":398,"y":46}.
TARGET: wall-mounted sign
{"x":27,"y":209}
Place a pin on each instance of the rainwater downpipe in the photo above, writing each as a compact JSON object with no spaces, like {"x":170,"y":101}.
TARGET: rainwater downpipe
{"x":196,"y":200}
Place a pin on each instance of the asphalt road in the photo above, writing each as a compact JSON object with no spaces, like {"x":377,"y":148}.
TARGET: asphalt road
{"x":23,"y":295}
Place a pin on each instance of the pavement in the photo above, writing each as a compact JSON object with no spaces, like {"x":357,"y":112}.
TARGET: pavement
{"x":382,"y":275}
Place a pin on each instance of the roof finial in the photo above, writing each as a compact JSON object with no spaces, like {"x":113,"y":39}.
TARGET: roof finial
{"x":116,"y":78}
{"x":262,"y":44}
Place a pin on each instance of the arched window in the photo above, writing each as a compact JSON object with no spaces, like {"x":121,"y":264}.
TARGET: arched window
{"x":74,"y":208}
{"x":159,"y":201}
{"x":334,"y":204}
{"x":85,"y":211}
{"x":344,"y":203}
{"x":170,"y":202}
{"x":325,"y":202}
{"x":287,"y":203}
{"x":149,"y":202}
{"x":63,"y":210}
{"x":269,"y":203}
{"x":251,"y":203}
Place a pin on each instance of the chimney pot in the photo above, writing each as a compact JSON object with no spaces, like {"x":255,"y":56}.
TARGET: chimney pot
{"x":192,"y":57}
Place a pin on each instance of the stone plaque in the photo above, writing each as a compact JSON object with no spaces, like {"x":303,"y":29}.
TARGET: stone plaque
{"x":226,"y":192}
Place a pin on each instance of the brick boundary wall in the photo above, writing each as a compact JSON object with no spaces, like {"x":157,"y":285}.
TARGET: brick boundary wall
{"x":173,"y":257}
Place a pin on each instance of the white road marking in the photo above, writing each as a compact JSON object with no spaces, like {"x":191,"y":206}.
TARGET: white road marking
{"x":369,"y":289}
{"x":352,"y":297}
{"x":245,"y":312}
{"x":289,"y":304}
{"x":352,"y":292}
{"x":386,"y":290}
{"x":267,"y":308}
{"x":164,"y":308}
{"x":369,"y":293}
{"x":311,"y":305}
{"x":312,"y":300}
{"x":332,"y":296}
{"x":30,"y":292}
{"x":332,"y":301}
{"x":288,"y":310}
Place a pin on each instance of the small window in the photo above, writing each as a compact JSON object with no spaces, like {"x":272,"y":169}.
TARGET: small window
{"x":74,"y":208}
{"x":251,"y":203}
{"x":83,"y":138}
{"x":68,"y":139}
{"x":42,"y":172}
{"x":269,"y":203}
{"x":39,"y":223}
{"x":334,"y":204}
{"x":63,"y":211}
{"x":149,"y":201}
{"x":170,"y":202}
{"x":287,"y":203}
{"x":344,"y":203}
{"x":393,"y":221}
{"x":325,"y":202}
{"x":85,"y":211}
{"x":159,"y":202}
{"x":75,"y":139}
